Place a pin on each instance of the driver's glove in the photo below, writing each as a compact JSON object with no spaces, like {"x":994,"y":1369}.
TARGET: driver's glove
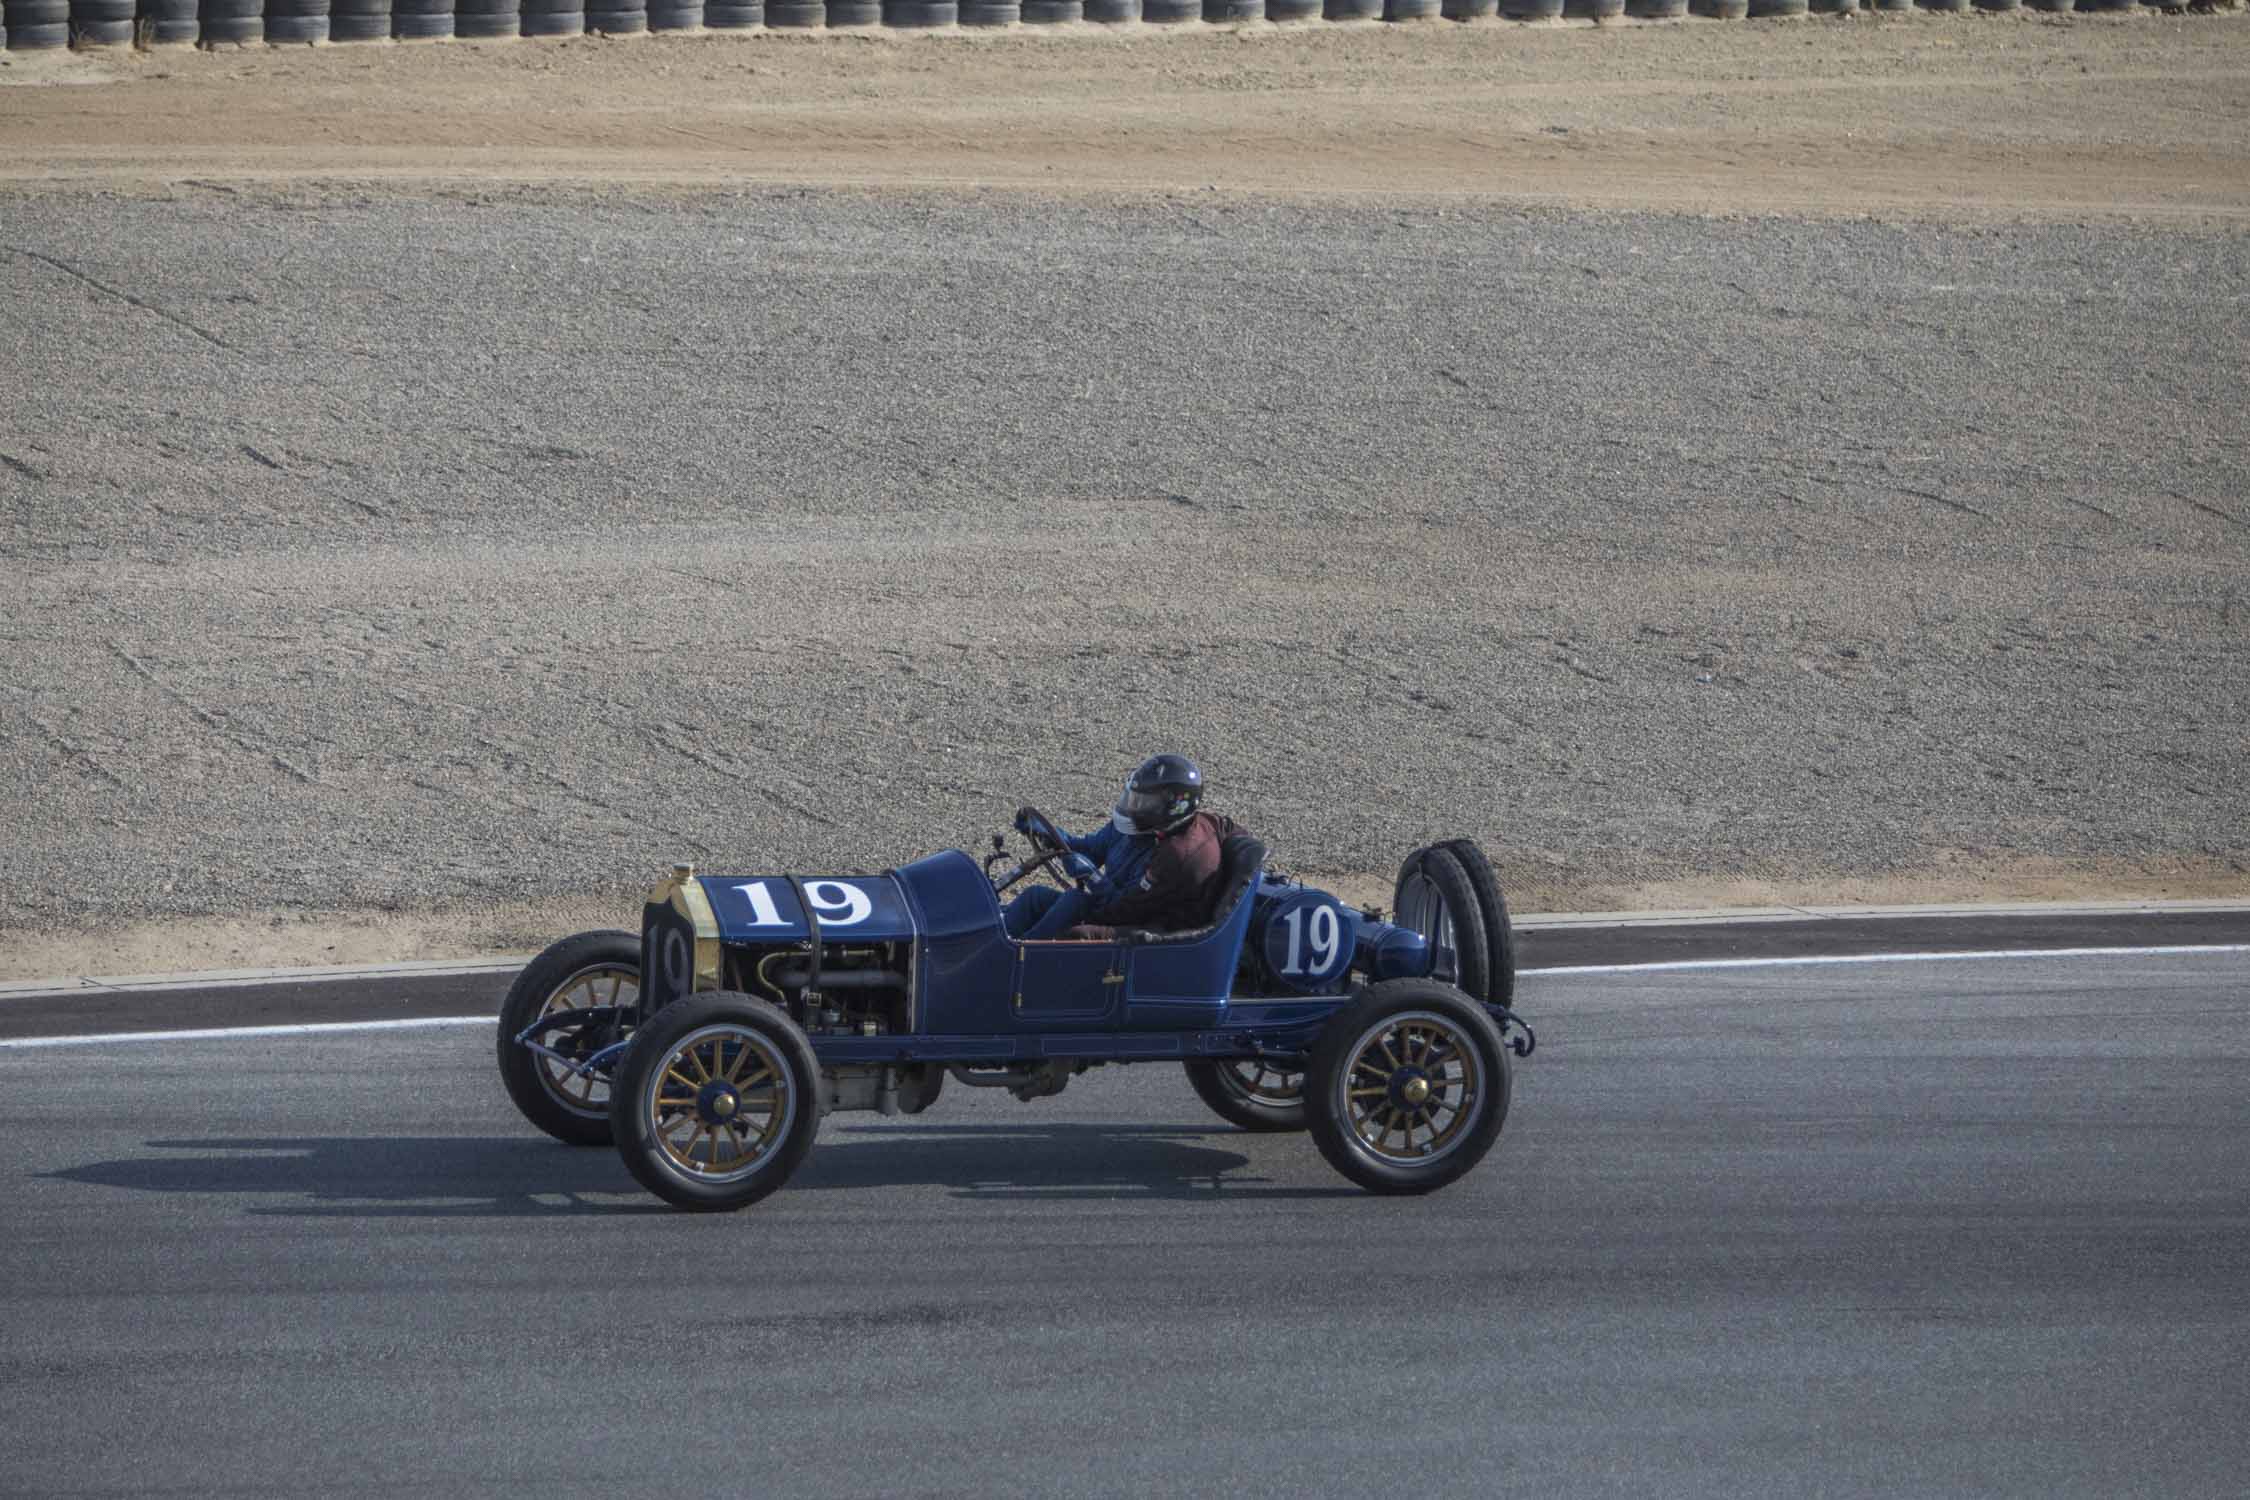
{"x":1023,"y":820}
{"x":1079,"y":867}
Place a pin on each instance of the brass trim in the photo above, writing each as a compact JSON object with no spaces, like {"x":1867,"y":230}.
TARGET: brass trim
{"x":681,"y":891}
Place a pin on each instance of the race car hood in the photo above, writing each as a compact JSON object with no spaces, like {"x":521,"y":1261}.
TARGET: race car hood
{"x":771,"y":908}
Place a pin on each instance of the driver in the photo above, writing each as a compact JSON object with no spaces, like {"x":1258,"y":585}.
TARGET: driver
{"x":1154,"y":865}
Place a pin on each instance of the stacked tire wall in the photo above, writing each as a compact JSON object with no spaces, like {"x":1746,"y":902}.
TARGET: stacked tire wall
{"x":34,"y":25}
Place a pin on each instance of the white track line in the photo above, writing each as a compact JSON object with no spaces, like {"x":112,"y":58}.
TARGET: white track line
{"x":1808,"y":959}
{"x":233,"y":1033}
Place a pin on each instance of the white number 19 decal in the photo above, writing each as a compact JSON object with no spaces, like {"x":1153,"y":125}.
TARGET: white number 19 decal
{"x":837,"y":904}
{"x":1325,"y":931}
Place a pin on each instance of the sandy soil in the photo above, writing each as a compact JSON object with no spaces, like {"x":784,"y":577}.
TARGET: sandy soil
{"x":1917,"y":117}
{"x":2027,"y":115}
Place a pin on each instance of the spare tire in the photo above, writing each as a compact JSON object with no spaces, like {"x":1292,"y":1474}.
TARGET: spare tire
{"x":1499,"y":930}
{"x":1435,"y":897}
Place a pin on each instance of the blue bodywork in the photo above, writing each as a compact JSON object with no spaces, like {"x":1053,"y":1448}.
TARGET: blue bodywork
{"x":926,"y":972}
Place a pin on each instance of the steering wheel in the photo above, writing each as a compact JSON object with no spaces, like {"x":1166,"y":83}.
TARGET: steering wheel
{"x":1047,"y":847}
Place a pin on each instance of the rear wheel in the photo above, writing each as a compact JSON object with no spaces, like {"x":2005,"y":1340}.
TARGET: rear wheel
{"x":1251,"y":1093}
{"x":717,"y":1102}
{"x":1408,"y":1086}
{"x":593,"y":969}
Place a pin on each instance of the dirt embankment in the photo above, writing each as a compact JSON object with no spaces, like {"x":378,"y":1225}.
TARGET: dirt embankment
{"x":2138,"y":116}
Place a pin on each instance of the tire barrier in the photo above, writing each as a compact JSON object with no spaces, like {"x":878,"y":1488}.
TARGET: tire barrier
{"x":486,"y":20}
{"x":36,"y":25}
{"x":237,"y":21}
{"x":617,"y":17}
{"x":30,"y":25}
{"x":363,"y":20}
{"x":296,"y":22}
{"x":102,"y":23}
{"x":422,"y":20}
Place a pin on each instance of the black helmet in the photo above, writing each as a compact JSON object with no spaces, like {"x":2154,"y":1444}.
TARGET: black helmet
{"x":1160,"y":795}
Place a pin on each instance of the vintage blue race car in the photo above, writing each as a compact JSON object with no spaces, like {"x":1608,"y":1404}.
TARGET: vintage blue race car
{"x":708,"y":1048}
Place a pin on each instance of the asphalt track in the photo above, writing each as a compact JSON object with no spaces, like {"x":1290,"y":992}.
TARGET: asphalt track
{"x":1961,"y":1227}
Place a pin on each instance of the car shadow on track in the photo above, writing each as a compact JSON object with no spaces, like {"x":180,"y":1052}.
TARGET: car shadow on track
{"x":488,"y":1177}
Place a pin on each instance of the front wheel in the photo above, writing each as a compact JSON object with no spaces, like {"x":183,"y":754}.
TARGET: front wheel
{"x":1408,"y":1086}
{"x":597,"y":971}
{"x":1251,"y":1093}
{"x":717,"y":1102}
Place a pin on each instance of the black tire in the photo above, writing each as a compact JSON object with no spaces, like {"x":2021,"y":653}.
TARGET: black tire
{"x":921,"y":15}
{"x":1412,"y":10}
{"x":1835,"y":7}
{"x":1598,"y":10}
{"x":175,"y":23}
{"x":1720,"y":10}
{"x":571,"y":971}
{"x":1435,"y":897}
{"x":796,"y":15}
{"x":1053,"y":12}
{"x":554,"y":17}
{"x":422,"y":20}
{"x":1499,"y":931}
{"x":1531,"y":10}
{"x":1250,"y":1103}
{"x":1233,"y":12}
{"x":102,"y":23}
{"x":675,"y":15}
{"x":990,"y":13}
{"x":239,"y":22}
{"x":297,"y":21}
{"x":359,"y":20}
{"x":1113,"y":12}
{"x":1660,"y":10}
{"x":1469,"y":10}
{"x":1763,"y":9}
{"x":844,"y":13}
{"x":732,"y":1040}
{"x":614,"y":18}
{"x":1292,"y":10}
{"x":1429,"y":1035}
{"x":1170,"y":12}
{"x":724,"y":15}
{"x":486,"y":20}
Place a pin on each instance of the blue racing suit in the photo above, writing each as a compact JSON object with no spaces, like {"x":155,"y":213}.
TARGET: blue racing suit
{"x":1121,"y":859}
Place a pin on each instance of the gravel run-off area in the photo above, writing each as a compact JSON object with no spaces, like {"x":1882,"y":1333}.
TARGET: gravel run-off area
{"x":400,"y":565}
